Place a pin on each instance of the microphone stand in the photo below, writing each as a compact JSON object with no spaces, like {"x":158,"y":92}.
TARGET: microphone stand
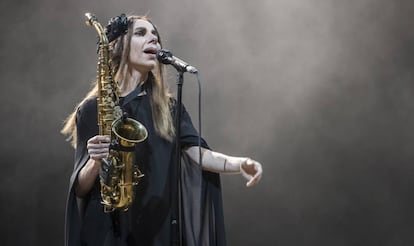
{"x":178,"y":220}
{"x":166,"y":57}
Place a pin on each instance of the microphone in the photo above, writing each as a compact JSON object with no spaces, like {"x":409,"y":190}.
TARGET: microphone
{"x":166,"y":57}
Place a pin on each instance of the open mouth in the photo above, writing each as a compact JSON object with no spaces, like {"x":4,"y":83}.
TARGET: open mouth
{"x":151,"y":51}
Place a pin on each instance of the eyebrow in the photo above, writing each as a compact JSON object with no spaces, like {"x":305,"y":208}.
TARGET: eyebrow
{"x":140,"y":28}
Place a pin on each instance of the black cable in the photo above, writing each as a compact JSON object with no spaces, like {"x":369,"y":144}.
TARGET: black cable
{"x":199,"y":120}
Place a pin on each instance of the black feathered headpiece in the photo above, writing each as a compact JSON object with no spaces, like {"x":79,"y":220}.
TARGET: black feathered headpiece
{"x":116,"y":27}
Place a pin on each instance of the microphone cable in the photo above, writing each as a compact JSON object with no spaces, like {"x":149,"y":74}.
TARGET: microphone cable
{"x":199,"y":120}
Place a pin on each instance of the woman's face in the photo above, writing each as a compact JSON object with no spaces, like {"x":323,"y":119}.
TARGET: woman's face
{"x":144,"y":46}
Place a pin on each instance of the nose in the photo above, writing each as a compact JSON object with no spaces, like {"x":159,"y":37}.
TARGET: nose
{"x":153,"y":38}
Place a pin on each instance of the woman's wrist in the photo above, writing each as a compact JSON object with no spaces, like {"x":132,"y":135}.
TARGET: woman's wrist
{"x":233,"y":165}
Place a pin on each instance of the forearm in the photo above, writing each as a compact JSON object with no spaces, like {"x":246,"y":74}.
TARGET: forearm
{"x":215,"y":161}
{"x":87,"y":177}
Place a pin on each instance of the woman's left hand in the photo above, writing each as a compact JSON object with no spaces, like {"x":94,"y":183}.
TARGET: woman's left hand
{"x":252,"y":171}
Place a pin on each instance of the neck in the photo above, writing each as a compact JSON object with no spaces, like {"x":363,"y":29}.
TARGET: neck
{"x":132,"y":80}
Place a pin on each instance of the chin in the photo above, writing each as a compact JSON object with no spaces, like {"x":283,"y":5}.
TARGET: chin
{"x":150,"y":68}
{"x":153,"y":65}
{"x":146,"y":68}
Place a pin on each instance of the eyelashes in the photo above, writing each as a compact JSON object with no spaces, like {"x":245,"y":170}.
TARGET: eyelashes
{"x":143,"y":31}
{"x":140,"y":33}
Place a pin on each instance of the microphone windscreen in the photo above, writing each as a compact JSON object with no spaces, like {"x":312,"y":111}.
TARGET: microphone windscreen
{"x":164,"y":56}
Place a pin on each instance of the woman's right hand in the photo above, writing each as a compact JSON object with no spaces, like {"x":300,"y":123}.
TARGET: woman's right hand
{"x":98,"y":147}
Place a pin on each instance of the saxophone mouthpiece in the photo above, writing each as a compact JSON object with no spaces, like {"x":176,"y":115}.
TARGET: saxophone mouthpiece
{"x":90,"y":18}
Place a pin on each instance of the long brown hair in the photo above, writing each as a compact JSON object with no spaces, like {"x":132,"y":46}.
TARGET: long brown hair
{"x":160,"y":95}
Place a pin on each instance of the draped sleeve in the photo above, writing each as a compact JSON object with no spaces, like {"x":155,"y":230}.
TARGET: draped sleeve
{"x":203,"y":222}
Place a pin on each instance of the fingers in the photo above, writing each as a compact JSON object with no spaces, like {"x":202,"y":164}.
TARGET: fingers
{"x":252,"y":182}
{"x":252,"y":171}
{"x":98,"y":155}
{"x":98,"y":147}
{"x":99,"y":139}
{"x":255,"y":180}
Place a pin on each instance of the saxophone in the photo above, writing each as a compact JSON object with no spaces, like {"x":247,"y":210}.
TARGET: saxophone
{"x":118,"y":173}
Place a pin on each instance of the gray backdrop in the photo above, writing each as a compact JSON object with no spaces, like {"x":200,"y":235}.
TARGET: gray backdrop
{"x":319,"y":91}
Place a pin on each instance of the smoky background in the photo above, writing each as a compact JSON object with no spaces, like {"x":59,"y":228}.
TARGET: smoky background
{"x":320,"y":92}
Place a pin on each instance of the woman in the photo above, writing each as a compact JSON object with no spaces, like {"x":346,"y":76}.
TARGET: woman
{"x":151,"y":219}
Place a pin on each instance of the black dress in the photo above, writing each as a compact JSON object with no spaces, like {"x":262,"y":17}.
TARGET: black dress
{"x":148,"y":221}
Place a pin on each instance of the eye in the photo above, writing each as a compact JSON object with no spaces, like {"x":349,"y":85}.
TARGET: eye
{"x":140,"y":32}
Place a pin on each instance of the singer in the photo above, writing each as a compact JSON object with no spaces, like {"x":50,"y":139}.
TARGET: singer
{"x":144,"y":96}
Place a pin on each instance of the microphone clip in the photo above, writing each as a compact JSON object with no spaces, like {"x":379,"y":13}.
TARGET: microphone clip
{"x":166,"y":57}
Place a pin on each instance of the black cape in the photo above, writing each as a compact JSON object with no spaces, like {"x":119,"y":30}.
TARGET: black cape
{"x":148,"y":221}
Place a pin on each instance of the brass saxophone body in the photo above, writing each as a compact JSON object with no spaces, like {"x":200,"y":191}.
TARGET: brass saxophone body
{"x":119,"y":173}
